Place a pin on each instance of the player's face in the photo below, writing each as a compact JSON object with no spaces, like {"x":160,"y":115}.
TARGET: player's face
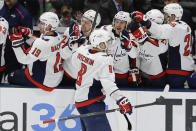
{"x":168,"y":19}
{"x":119,"y":25}
{"x":86,"y":25}
{"x":41,"y":26}
{"x":10,"y":3}
{"x":102,"y":45}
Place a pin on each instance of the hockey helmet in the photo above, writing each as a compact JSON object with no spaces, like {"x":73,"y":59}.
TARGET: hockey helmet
{"x":175,"y":9}
{"x":50,"y":18}
{"x":98,"y":36}
{"x":124,"y":16}
{"x":90,"y":14}
{"x":156,"y":16}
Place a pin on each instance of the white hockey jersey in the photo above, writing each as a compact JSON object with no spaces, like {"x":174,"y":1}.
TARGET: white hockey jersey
{"x":44,"y":61}
{"x":3,"y":36}
{"x":179,"y":37}
{"x":153,"y":53}
{"x":66,"y":51}
{"x":120,"y":56}
{"x":92,"y":66}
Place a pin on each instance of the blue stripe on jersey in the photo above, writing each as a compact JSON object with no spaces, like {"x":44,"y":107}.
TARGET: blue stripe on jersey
{"x":39,"y":71}
{"x":174,"y":59}
{"x":95,"y":90}
{"x":164,"y":60}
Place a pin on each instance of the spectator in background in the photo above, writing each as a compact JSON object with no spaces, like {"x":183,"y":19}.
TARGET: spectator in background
{"x":16,"y":15}
{"x":33,"y":6}
{"x":77,"y":15}
{"x":142,"y":5}
{"x":157,"y":4}
{"x":109,"y":8}
{"x":66,"y":16}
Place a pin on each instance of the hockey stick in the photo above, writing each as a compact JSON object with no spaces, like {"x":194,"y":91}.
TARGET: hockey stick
{"x":157,"y":101}
{"x":96,"y":15}
{"x":97,"y":113}
{"x":128,"y":122}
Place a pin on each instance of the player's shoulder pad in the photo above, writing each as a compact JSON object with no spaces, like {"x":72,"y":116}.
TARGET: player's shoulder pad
{"x":39,"y":42}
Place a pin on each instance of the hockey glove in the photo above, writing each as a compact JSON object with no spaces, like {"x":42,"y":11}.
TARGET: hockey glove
{"x":125,"y":40}
{"x":25,"y":31}
{"x":16,"y":39}
{"x":138,"y":16}
{"x":134,"y":77}
{"x":125,"y":105}
{"x":138,"y":32}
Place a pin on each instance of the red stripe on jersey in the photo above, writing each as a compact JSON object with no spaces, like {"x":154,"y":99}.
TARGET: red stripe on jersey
{"x":45,"y":88}
{"x":2,"y":68}
{"x":26,"y":51}
{"x":179,"y":72}
{"x":133,"y":44}
{"x":20,"y":13}
{"x":121,"y":75}
{"x":88,"y":102}
{"x":154,"y":42}
{"x":157,"y":76}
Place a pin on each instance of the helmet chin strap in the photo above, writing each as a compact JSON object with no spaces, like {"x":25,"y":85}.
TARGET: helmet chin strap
{"x":91,"y":29}
{"x":45,"y":31}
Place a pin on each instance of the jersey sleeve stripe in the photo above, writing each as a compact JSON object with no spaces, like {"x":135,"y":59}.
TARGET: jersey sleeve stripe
{"x":45,"y":88}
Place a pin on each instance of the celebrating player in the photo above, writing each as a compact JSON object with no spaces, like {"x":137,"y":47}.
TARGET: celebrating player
{"x":178,"y":33}
{"x":121,"y":55}
{"x":153,"y":53}
{"x":43,"y":58}
{"x":75,"y":36}
{"x":3,"y":36}
{"x":94,"y":64}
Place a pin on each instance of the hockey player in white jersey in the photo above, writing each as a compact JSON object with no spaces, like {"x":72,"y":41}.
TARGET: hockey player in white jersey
{"x":43,"y":59}
{"x":4,"y":26}
{"x":123,"y":48}
{"x":153,"y":53}
{"x":75,"y":36}
{"x":178,"y":33}
{"x":94,"y":64}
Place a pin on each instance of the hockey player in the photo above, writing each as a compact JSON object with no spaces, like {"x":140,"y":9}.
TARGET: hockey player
{"x":75,"y":36}
{"x":93,"y":63}
{"x":43,"y":59}
{"x":4,"y":26}
{"x":123,"y":61}
{"x":178,"y":33}
{"x":153,"y":53}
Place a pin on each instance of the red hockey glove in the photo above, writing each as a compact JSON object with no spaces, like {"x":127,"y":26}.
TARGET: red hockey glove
{"x":138,"y":16}
{"x":16,"y":39}
{"x":25,"y":31}
{"x":76,"y":39}
{"x":125,"y":105}
{"x":134,"y":76}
